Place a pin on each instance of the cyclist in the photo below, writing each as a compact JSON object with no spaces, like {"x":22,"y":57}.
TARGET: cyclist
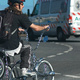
{"x":13,"y":45}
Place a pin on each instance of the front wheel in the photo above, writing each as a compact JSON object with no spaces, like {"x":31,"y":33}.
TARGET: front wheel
{"x":44,"y":68}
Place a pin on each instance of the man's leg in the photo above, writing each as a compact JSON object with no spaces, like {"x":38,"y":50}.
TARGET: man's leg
{"x":25,"y":57}
{"x":25,"y":62}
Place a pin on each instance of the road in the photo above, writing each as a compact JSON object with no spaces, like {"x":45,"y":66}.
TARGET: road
{"x":64,"y":57}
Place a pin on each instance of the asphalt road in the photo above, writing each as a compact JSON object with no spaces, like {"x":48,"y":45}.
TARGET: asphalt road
{"x":64,"y":56}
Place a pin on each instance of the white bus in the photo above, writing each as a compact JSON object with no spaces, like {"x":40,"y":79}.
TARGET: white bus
{"x":63,"y":16}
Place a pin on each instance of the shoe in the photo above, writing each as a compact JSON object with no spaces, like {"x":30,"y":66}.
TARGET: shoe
{"x":27,"y":72}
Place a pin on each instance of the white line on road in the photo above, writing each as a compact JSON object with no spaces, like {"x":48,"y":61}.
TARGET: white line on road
{"x":51,"y":56}
{"x":58,"y":54}
{"x":72,"y":76}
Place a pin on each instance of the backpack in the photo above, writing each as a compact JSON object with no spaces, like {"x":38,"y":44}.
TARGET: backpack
{"x":6,"y":19}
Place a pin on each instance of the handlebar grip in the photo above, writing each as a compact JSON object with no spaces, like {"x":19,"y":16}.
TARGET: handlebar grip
{"x":47,"y":28}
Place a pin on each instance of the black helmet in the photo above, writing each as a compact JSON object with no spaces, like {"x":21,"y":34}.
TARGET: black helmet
{"x":11,"y":2}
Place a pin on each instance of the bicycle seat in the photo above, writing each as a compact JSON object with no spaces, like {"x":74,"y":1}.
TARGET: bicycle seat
{"x":11,"y":52}
{"x":7,"y":52}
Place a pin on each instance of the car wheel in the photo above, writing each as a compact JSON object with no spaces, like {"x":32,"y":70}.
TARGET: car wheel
{"x":31,"y":35}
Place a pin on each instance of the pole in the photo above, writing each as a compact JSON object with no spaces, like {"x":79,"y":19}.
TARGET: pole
{"x":33,"y":3}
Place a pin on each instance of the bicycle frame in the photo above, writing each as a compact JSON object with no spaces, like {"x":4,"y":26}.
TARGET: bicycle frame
{"x":34,"y":61}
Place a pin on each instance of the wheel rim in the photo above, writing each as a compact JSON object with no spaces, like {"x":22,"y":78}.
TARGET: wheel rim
{"x":44,"y":68}
{"x":8,"y":75}
{"x":1,"y":68}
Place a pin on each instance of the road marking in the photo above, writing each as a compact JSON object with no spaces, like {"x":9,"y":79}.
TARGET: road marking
{"x":51,"y":56}
{"x":72,"y":76}
{"x":57,"y":43}
{"x":66,"y":51}
{"x":58,"y":54}
{"x":57,"y":73}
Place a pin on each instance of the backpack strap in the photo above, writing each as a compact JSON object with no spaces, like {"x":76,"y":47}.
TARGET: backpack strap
{"x":13,"y":31}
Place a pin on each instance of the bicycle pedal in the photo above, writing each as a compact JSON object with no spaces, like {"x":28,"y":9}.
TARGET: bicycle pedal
{"x":23,"y":78}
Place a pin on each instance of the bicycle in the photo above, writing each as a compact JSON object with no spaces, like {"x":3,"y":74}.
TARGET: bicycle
{"x":42,"y":68}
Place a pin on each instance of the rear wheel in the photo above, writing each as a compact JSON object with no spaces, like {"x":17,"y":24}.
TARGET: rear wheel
{"x":9,"y":74}
{"x":44,"y":69}
{"x":2,"y":68}
{"x":60,"y":35}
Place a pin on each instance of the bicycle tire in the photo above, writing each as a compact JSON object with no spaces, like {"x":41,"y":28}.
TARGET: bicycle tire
{"x":9,"y":76}
{"x":44,"y":67}
{"x":2,"y":68}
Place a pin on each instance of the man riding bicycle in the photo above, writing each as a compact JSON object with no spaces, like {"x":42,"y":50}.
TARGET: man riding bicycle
{"x":14,"y":45}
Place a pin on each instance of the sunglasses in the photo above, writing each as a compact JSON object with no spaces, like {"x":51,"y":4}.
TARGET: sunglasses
{"x":22,"y":4}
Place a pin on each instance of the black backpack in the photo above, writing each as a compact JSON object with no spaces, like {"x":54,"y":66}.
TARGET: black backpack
{"x":6,"y":19}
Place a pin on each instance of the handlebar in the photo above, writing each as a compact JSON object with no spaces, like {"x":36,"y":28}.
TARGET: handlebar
{"x":41,"y":38}
{"x":47,"y":28}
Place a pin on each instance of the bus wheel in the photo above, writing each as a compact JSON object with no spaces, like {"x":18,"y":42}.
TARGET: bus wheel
{"x":61,"y":35}
{"x":31,"y":35}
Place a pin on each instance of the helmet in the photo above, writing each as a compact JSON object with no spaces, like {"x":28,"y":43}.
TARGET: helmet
{"x":11,"y":2}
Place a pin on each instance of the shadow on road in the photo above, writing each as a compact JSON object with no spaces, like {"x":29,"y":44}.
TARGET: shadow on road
{"x":58,"y":41}
{"x":64,"y":41}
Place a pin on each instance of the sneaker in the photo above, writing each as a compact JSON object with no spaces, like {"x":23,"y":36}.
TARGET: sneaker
{"x":27,"y":72}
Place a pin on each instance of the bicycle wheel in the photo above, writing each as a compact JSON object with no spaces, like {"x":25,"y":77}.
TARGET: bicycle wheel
{"x":2,"y":69}
{"x":43,"y":71}
{"x":9,"y":74}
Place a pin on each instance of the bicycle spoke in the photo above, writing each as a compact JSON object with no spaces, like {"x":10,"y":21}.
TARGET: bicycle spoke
{"x":8,"y":75}
{"x":1,"y":67}
{"x":44,"y":68}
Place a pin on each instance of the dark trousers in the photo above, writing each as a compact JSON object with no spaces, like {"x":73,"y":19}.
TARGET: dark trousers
{"x":25,"y":57}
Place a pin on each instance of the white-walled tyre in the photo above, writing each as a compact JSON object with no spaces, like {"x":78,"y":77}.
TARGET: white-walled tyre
{"x":8,"y":75}
{"x":2,"y":68}
{"x":43,"y":69}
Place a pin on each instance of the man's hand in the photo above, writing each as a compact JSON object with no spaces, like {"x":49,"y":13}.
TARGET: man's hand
{"x":20,"y":29}
{"x":47,"y":27}
{"x":39,"y":28}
